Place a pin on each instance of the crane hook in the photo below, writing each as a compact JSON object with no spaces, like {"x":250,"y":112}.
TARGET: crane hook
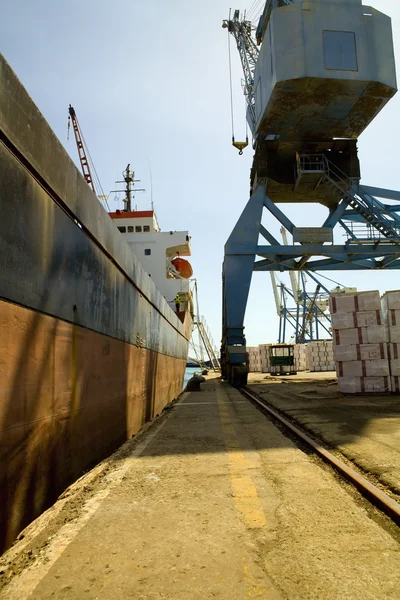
{"x":240,"y":145}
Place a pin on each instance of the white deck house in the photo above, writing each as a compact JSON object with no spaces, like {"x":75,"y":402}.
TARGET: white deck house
{"x":155,"y":249}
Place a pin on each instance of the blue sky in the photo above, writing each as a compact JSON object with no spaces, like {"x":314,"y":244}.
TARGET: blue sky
{"x":150,"y":84}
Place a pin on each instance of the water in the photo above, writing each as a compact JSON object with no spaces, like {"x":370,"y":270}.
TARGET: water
{"x":189,"y":373}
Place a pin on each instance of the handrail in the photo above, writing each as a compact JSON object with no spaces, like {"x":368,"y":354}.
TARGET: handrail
{"x":358,"y":198}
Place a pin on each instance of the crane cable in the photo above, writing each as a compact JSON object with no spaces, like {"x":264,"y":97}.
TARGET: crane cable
{"x":251,"y":9}
{"x":98,"y":186}
{"x":239,"y":145}
{"x":230,"y":79}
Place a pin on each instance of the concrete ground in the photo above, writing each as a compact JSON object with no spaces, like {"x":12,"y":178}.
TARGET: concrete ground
{"x":365,"y":429}
{"x":212,"y":501}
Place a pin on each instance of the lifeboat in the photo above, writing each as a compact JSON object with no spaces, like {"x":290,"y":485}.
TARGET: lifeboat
{"x":183,"y":267}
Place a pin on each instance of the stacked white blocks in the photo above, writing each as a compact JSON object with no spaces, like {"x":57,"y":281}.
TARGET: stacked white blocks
{"x":300,"y":357}
{"x":319,"y":356}
{"x":254,"y":359}
{"x":391,"y":317}
{"x":360,"y":347}
{"x":264,"y":357}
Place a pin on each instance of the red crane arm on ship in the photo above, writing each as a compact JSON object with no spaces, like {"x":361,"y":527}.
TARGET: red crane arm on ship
{"x":81,"y":149}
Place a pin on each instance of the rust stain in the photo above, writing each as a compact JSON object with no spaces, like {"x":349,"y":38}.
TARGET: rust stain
{"x":68,"y":398}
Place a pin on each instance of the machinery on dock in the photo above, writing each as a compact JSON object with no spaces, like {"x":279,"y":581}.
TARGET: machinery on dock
{"x":303,"y":310}
{"x":307,"y":103}
{"x":281,"y":359}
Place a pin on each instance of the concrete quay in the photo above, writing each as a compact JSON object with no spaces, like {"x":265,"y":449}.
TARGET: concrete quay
{"x":363,"y":428}
{"x":211,"y":501}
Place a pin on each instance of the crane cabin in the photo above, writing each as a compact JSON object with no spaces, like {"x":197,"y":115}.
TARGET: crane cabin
{"x":325,"y":69}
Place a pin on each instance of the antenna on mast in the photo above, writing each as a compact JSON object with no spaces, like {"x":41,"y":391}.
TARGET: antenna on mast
{"x":129,"y":180}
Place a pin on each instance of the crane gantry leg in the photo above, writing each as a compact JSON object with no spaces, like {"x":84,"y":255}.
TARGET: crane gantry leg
{"x":373,"y":242}
{"x":240,"y":254}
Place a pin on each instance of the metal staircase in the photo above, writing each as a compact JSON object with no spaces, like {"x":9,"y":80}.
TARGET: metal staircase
{"x":371,"y":211}
{"x":214,"y":362}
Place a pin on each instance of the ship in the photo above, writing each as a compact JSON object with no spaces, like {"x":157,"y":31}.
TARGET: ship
{"x":95,"y":316}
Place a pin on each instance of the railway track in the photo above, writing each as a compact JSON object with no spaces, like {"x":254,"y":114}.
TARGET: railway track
{"x":376,"y":496}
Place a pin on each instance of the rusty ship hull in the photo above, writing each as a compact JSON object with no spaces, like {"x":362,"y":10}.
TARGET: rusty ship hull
{"x":90,"y":350}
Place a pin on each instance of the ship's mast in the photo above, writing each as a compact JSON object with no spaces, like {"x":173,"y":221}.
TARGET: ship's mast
{"x":129,"y":180}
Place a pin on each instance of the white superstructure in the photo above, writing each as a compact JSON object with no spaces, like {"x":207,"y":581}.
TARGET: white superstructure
{"x":155,"y":250}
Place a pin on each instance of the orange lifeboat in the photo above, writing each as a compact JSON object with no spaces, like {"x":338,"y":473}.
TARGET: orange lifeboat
{"x":183,"y":267}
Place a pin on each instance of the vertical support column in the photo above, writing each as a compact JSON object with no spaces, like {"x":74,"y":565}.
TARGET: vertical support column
{"x":296,"y":335}
{"x":240,"y":253}
{"x":286,"y":319}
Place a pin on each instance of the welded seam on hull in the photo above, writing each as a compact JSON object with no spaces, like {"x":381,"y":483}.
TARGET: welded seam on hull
{"x":54,"y":196}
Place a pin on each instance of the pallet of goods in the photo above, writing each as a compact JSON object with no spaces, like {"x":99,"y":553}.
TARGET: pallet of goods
{"x":360,"y":343}
{"x":319,"y":356}
{"x":300,"y":357}
{"x":391,"y":318}
{"x":254,"y":359}
{"x":264,"y":358}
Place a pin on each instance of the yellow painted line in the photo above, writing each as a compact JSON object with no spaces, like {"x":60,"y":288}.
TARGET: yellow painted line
{"x":245,"y":493}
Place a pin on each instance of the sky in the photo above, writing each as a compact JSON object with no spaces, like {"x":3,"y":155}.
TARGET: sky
{"x":150,"y":85}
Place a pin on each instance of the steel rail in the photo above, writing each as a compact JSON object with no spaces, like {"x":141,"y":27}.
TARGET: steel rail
{"x":376,"y":496}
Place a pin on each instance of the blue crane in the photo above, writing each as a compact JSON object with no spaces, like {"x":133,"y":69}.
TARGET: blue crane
{"x":307,"y":104}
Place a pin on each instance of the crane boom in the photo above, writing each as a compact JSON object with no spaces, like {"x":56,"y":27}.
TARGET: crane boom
{"x":248,"y":52}
{"x":81,"y":149}
{"x":276,"y":294}
{"x":309,"y":316}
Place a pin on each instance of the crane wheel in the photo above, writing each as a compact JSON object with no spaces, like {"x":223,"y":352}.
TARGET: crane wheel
{"x":239,"y":377}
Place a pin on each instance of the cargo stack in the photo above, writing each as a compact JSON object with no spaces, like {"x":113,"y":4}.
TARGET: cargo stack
{"x":391,"y":318}
{"x":300,"y":357}
{"x":319,"y":356}
{"x":360,"y":343}
{"x":254,"y":359}
{"x":264,"y":357}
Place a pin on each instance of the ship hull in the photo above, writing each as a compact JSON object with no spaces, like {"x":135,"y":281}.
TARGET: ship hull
{"x":69,"y":397}
{"x":89,"y":349}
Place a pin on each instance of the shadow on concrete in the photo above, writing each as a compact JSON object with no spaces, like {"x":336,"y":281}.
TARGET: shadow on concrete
{"x":195,"y":426}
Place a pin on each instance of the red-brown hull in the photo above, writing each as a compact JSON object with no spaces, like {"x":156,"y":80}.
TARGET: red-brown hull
{"x":69,"y":397}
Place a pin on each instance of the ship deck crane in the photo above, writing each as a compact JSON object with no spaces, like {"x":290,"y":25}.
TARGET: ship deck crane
{"x":81,"y":148}
{"x":307,"y":104}
{"x":84,"y":157}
